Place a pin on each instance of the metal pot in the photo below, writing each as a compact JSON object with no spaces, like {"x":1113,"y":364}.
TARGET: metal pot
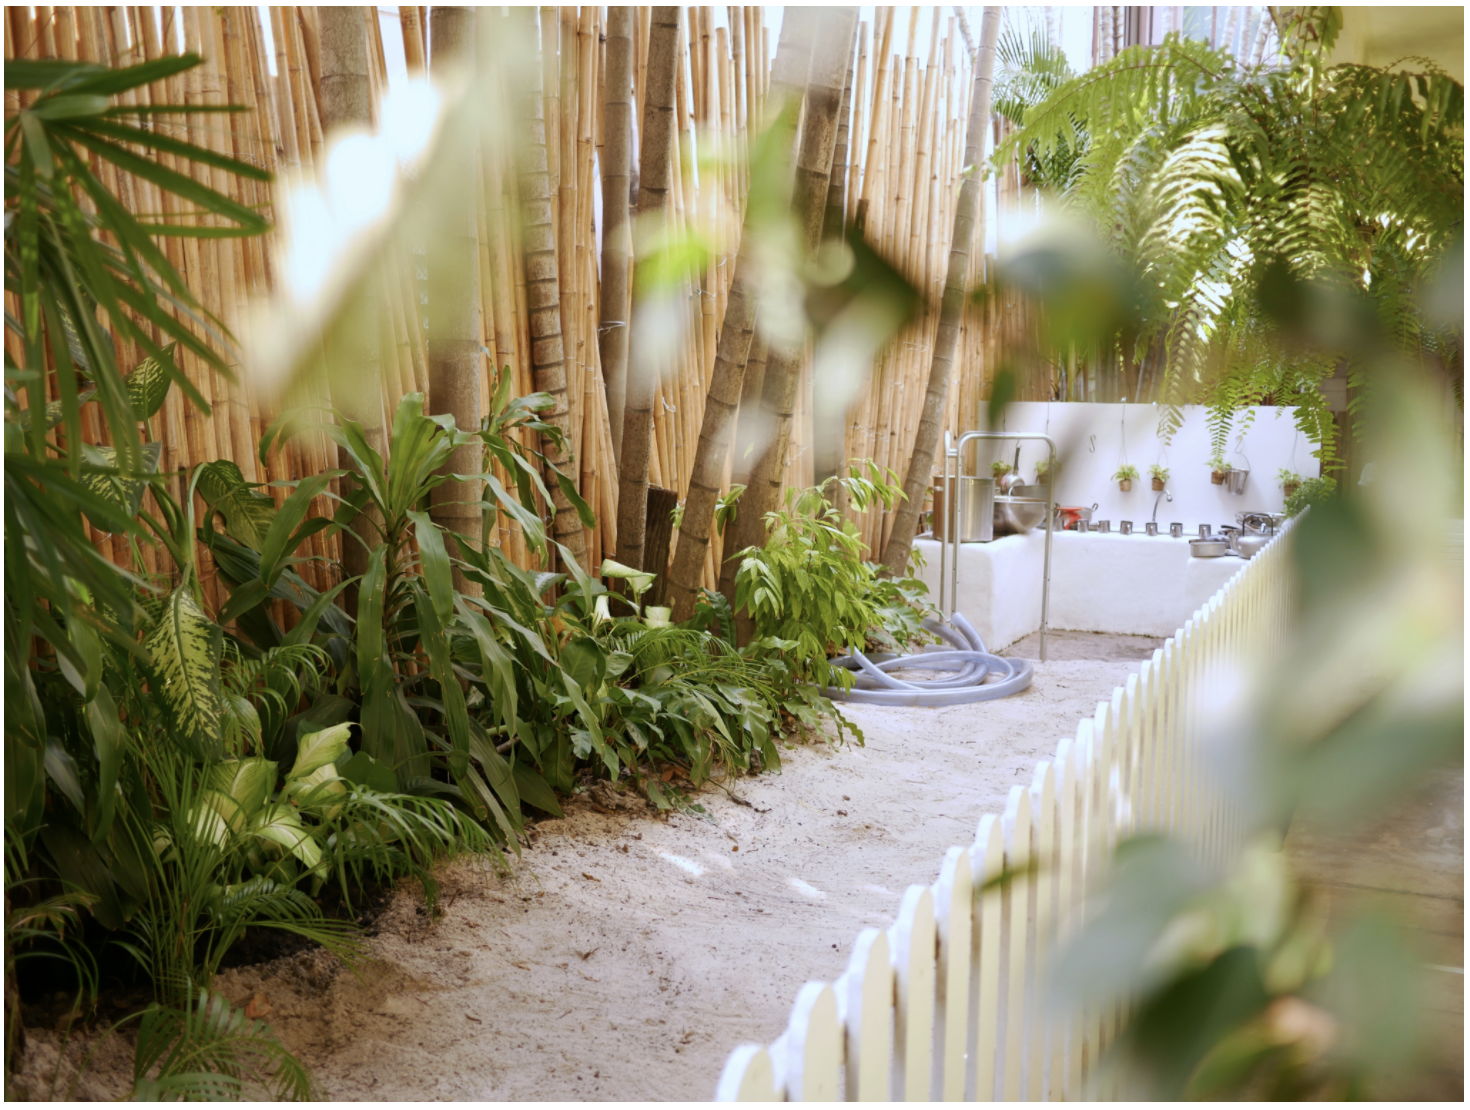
{"x":1151,"y":528}
{"x":1211,"y":548}
{"x":1246,"y":545}
{"x":1235,"y":480}
{"x":1176,"y":530}
{"x":1016,"y":514}
{"x":1125,"y":527}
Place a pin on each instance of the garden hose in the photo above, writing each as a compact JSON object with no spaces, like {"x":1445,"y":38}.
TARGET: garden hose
{"x":970,"y":663}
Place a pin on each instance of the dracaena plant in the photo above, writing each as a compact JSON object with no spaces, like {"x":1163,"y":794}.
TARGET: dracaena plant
{"x":415,"y":636}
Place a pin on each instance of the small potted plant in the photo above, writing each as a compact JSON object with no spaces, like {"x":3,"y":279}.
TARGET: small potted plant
{"x":1045,"y":468}
{"x":1159,"y":474}
{"x":999,"y":469}
{"x":1290,"y":481}
{"x":1124,"y":476}
{"x":1218,"y":469}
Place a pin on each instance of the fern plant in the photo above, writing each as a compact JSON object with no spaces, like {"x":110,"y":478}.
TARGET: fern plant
{"x":1225,"y":184}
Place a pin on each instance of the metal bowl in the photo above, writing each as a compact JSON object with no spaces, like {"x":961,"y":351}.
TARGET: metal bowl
{"x":1014,"y":514}
{"x":1211,"y":548}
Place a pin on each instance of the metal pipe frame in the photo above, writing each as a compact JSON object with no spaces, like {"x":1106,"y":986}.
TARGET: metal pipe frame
{"x":951,"y":564}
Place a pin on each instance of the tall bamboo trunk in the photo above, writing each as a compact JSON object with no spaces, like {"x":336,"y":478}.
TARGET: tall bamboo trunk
{"x":829,"y":420}
{"x":921,"y":462}
{"x":454,"y":340}
{"x":832,"y":46}
{"x":353,"y":352}
{"x":656,"y":142}
{"x":616,"y":234}
{"x":543,"y":291}
{"x":793,"y":60}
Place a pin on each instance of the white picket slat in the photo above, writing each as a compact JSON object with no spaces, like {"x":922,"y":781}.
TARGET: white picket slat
{"x":866,"y":990}
{"x":807,"y":1068}
{"x":1016,"y":896}
{"x":748,"y":1076}
{"x":953,"y":900}
{"x":1044,"y":1071}
{"x":987,"y":863}
{"x":912,"y":942}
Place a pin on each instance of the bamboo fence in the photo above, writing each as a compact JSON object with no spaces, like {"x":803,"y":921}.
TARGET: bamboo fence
{"x":909,"y":100}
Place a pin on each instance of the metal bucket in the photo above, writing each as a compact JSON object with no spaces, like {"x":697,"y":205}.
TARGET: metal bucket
{"x":977,"y":508}
{"x":1235,"y":481}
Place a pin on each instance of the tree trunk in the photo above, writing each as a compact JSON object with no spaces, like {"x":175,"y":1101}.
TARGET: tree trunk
{"x":656,"y":140}
{"x":809,"y":196}
{"x":543,"y":290}
{"x":921,"y":462}
{"x":829,"y":420}
{"x":749,"y":433}
{"x":793,"y":59}
{"x":454,"y":340}
{"x":616,"y":235}
{"x":354,"y":356}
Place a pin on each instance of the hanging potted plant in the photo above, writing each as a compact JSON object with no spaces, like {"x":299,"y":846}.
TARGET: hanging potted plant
{"x":1290,"y":481}
{"x":999,"y":469}
{"x":1218,"y":469}
{"x":1159,"y":474}
{"x":1045,"y":468}
{"x":1124,"y":476}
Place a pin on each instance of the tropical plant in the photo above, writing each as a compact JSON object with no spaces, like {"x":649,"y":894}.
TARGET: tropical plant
{"x":1046,"y":469}
{"x":1312,"y":492}
{"x":809,"y":592}
{"x":415,"y":635}
{"x":1125,"y":473}
{"x":1222,"y":182}
{"x":1000,"y":468}
{"x":1289,"y":480}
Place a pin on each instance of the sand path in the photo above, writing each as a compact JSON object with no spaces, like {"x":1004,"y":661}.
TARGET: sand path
{"x":627,"y":955}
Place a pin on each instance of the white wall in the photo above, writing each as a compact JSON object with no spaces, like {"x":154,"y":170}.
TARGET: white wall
{"x":1094,"y":439}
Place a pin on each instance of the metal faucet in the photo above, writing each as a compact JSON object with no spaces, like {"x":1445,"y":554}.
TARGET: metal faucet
{"x":1167,"y":496}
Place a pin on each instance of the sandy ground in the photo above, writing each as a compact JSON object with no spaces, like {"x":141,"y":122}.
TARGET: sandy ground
{"x":625,"y":956}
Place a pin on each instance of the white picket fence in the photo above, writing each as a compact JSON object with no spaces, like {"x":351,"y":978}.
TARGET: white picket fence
{"x":946,"y":1004}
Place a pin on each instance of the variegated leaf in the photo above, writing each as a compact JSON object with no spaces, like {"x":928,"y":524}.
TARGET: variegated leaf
{"x":148,"y":384}
{"x":185,"y":648}
{"x":248,"y":513}
{"x":123,"y":491}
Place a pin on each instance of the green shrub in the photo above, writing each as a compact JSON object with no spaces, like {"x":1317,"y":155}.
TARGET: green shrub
{"x":1312,"y":492}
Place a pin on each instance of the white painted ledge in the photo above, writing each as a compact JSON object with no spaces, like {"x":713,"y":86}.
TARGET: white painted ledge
{"x":1100,"y":582}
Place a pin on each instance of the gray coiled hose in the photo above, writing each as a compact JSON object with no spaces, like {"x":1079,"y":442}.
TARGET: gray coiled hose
{"x":969,"y":661}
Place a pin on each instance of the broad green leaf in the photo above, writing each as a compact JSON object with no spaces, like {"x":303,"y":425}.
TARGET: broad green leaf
{"x":364,"y":770}
{"x":147,"y":385}
{"x":185,"y":650}
{"x":280,"y":825}
{"x":123,"y":491}
{"x":323,"y":788}
{"x":248,"y":781}
{"x":638,"y":580}
{"x":282,"y":538}
{"x":248,"y":513}
{"x":316,"y":749}
{"x":435,"y":559}
{"x":61,"y":769}
{"x":534,"y":790}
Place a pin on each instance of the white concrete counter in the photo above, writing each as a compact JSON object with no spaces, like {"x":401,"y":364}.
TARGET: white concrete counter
{"x":1100,"y":582}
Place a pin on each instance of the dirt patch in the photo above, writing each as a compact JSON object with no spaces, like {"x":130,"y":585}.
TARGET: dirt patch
{"x":625,"y":956}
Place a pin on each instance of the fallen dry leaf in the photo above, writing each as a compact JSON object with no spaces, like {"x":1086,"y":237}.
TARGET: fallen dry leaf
{"x":594,"y":878}
{"x":474,"y":1019}
{"x":258,"y":1007}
